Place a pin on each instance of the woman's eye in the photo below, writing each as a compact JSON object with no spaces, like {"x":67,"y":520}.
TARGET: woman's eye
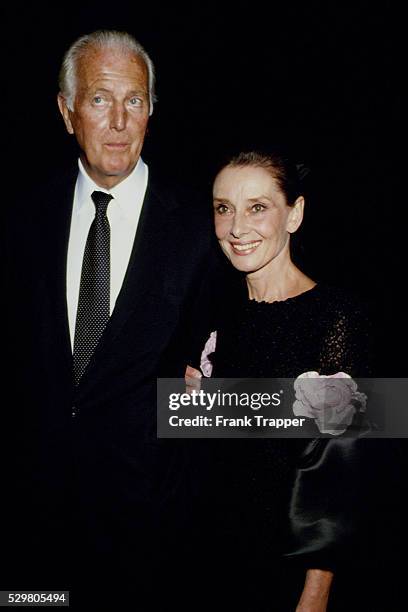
{"x":258,"y":207}
{"x":221,"y":209}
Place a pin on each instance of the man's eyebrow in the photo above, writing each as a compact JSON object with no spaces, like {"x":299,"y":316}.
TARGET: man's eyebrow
{"x":132,"y":92}
{"x":138,"y":92}
{"x":101,"y":89}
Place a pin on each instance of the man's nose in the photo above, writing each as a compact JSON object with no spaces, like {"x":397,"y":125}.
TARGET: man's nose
{"x":239,"y":225}
{"x":118,"y":117}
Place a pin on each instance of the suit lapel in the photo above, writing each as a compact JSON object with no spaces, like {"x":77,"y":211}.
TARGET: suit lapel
{"x":146,"y":272}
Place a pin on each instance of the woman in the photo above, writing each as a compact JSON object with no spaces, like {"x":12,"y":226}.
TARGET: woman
{"x":282,"y":495}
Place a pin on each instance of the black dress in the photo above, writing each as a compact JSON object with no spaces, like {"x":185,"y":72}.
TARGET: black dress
{"x":280,"y":506}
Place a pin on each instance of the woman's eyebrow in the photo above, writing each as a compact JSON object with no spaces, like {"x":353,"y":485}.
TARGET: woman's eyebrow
{"x":260,"y":197}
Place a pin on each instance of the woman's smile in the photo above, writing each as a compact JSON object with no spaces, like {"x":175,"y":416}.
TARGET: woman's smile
{"x":245,"y":248}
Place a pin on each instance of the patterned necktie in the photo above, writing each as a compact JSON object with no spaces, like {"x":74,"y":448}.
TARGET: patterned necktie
{"x":94,"y":291}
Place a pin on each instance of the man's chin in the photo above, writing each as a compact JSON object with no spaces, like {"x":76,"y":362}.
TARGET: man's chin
{"x":117,"y":165}
{"x":119,"y":170}
{"x":113,"y":174}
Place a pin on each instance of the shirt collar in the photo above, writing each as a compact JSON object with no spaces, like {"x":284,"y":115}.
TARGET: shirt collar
{"x":124,"y":193}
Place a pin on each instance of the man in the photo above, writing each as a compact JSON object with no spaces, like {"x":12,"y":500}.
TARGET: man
{"x":114,"y":267}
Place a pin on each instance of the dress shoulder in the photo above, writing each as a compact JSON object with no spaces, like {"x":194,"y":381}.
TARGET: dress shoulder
{"x":346,"y":333}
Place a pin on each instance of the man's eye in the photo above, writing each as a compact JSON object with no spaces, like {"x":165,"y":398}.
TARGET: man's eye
{"x":135,"y":101}
{"x":258,"y":207}
{"x":98,"y":100}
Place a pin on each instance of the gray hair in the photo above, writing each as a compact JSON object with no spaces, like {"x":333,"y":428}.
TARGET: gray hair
{"x":101,"y":39}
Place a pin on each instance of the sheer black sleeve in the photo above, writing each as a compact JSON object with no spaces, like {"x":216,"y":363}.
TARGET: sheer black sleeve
{"x":345,"y":497}
{"x":346,"y":339}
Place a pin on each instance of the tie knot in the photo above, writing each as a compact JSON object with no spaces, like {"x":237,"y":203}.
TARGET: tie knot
{"x":101,"y":201}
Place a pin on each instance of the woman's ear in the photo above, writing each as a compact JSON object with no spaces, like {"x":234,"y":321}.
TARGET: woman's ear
{"x":295,"y":216}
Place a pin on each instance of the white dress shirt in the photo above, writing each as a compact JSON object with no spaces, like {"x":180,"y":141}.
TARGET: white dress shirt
{"x":123,"y":214}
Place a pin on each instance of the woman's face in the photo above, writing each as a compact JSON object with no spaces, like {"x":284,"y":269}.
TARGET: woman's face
{"x":252,"y":219}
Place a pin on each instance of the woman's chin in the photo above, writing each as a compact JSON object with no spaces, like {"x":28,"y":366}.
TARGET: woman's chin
{"x":243,"y":265}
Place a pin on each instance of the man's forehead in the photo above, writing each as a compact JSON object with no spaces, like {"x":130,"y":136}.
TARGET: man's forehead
{"x":99,"y":64}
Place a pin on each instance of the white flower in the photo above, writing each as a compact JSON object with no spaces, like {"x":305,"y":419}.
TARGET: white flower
{"x":332,"y":401}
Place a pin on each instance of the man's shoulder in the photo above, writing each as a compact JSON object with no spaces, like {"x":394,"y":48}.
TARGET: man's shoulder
{"x":179,"y":195}
{"x":40,"y":191}
{"x":35,"y":197}
{"x":61,"y":183}
{"x":187,"y":213}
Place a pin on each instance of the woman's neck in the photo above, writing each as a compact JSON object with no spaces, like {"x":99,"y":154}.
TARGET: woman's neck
{"x":278,"y":281}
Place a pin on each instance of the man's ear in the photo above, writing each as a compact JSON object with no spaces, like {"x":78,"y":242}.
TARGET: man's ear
{"x":65,"y":112}
{"x":295,"y":217}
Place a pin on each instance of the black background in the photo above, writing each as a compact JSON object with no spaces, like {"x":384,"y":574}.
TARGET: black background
{"x":319,"y":77}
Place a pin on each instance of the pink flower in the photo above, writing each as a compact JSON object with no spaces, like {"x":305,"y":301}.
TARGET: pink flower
{"x":205,"y":364}
{"x":331,"y":401}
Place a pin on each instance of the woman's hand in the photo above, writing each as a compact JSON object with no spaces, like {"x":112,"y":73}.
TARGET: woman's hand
{"x":315,"y":595}
{"x":193,"y":379}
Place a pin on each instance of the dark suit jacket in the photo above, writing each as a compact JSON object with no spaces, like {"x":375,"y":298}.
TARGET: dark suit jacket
{"x":105,"y":465}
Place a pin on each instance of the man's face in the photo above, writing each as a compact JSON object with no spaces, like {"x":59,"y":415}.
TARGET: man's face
{"x":111,"y":111}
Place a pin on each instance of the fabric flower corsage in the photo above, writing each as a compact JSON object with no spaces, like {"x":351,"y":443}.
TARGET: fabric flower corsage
{"x":332,"y":401}
{"x":205,"y":364}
